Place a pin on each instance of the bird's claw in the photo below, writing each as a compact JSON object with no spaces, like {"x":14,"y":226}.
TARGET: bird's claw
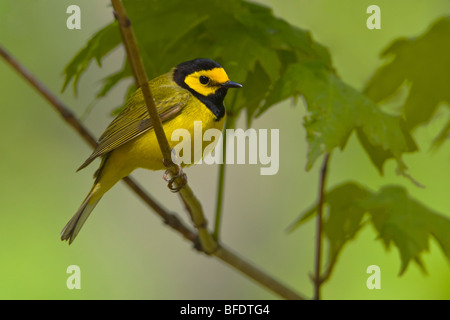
{"x":170,"y":181}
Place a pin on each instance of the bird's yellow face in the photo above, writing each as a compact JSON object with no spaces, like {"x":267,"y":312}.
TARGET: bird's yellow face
{"x":207,"y":82}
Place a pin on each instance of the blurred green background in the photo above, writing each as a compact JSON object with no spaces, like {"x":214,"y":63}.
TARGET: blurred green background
{"x":125,"y":251}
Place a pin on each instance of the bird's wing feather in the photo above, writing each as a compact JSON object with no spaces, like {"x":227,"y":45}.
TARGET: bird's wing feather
{"x":134,"y":120}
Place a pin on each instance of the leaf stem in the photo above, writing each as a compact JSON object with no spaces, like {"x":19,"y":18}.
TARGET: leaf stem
{"x":317,"y":272}
{"x":229,"y":123}
{"x":220,"y":193}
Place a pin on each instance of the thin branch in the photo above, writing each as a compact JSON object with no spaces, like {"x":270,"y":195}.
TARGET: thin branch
{"x":172,"y":220}
{"x":317,"y":271}
{"x":188,"y":198}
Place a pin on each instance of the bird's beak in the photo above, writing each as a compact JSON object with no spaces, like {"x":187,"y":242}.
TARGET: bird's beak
{"x":231,"y":84}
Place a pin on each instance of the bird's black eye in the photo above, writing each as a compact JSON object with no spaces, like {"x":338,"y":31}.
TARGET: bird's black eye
{"x":204,"y":80}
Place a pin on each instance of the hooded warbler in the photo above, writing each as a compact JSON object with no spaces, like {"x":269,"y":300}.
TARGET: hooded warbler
{"x":192,"y":91}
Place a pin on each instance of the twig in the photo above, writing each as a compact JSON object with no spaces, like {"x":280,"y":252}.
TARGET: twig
{"x":188,"y":198}
{"x":317,"y":277}
{"x":170,"y":219}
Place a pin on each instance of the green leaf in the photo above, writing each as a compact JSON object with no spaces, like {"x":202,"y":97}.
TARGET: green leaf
{"x":397,"y":218}
{"x":343,"y":221}
{"x":406,"y":223}
{"x":423,"y":64}
{"x":379,"y":155}
{"x":335,"y":110}
{"x":257,"y":84}
{"x":96,"y":49}
{"x":113,"y":79}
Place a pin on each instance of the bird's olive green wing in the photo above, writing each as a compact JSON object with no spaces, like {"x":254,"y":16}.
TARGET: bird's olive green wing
{"x":135,"y":120}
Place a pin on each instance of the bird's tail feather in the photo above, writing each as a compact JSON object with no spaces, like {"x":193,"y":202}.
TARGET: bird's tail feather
{"x":74,"y":225}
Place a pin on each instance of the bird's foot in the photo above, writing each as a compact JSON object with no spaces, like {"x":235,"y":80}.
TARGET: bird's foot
{"x":180,"y":177}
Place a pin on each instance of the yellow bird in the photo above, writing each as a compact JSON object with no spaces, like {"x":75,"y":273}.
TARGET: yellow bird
{"x":192,"y":91}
